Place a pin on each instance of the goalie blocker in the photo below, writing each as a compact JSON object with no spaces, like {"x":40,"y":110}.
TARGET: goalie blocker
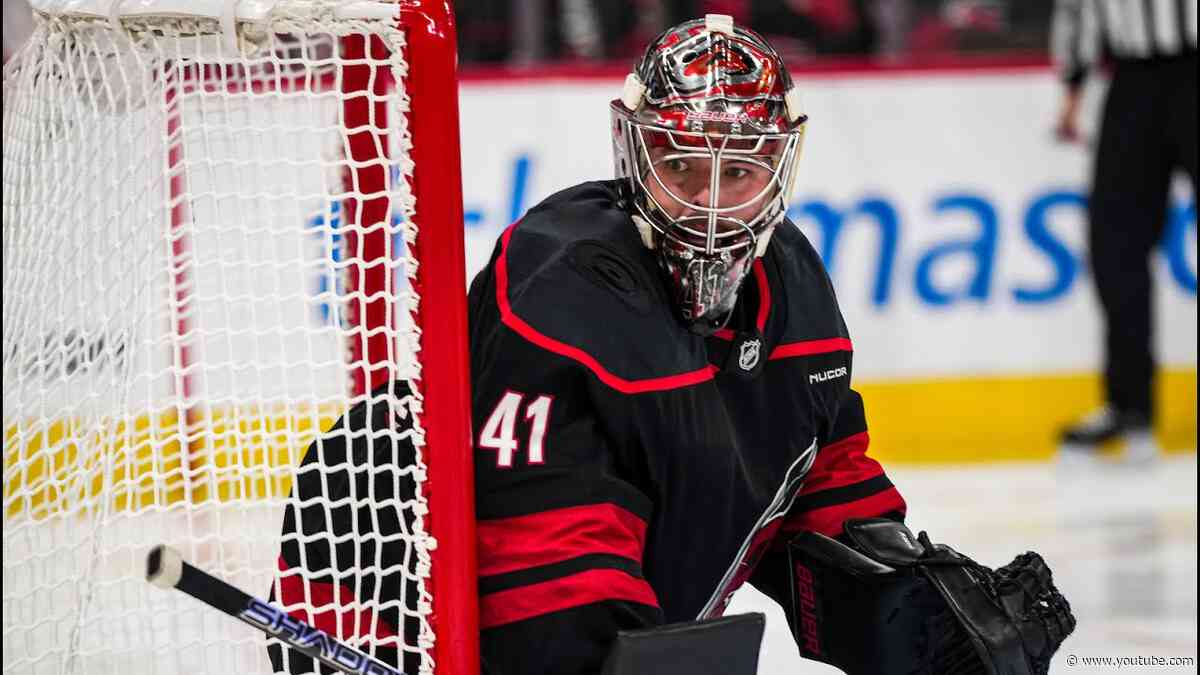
{"x":725,"y":646}
{"x":894,"y":603}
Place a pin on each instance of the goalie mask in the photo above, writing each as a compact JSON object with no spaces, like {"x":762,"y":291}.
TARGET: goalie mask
{"x":707,"y":135}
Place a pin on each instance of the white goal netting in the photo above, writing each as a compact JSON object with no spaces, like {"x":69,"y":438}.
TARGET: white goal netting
{"x":205,"y":263}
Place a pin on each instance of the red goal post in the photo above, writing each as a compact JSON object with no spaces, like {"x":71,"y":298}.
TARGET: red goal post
{"x":187,"y":184}
{"x":445,"y":363}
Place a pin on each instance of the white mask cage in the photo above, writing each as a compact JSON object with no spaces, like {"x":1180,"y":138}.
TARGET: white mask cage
{"x":708,"y":218}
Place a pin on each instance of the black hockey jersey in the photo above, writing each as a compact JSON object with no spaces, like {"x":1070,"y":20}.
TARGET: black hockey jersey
{"x":629,"y":472}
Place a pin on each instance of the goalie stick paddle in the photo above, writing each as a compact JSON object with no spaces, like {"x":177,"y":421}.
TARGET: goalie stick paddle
{"x":166,"y":568}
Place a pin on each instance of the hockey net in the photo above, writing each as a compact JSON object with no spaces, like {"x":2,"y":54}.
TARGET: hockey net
{"x":224,"y":225}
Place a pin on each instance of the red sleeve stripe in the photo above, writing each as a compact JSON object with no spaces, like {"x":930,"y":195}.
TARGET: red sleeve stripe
{"x":828,"y":521}
{"x":522,"y":542}
{"x":337,"y":621}
{"x":842,"y":463}
{"x":584,"y":588}
{"x":519,"y":326}
{"x":810,"y":347}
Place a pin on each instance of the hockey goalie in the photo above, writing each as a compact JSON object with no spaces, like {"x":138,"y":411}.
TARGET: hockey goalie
{"x":662,"y":413}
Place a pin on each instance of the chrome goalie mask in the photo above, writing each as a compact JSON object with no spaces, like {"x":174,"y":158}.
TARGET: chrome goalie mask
{"x":707,"y":135}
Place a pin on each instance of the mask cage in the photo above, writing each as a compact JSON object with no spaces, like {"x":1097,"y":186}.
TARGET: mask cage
{"x":708,"y":228}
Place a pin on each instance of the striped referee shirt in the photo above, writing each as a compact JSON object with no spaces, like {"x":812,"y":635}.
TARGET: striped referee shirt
{"x":1129,"y":29}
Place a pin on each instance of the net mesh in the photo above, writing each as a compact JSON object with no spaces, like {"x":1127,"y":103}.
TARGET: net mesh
{"x":198,"y":253}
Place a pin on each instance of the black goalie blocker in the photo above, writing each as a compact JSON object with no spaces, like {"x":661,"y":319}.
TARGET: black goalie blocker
{"x":895,"y":603}
{"x":724,"y":646}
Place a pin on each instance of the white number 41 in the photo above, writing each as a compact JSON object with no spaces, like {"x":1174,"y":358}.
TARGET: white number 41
{"x":499,"y":432}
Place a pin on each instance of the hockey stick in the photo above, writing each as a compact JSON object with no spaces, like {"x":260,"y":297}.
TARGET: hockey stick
{"x":166,"y":568}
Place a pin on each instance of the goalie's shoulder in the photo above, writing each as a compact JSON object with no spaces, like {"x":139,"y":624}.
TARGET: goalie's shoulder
{"x":573,"y":278}
{"x":811,"y":303}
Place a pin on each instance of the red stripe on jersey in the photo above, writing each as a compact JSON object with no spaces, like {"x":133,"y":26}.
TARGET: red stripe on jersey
{"x":828,"y":520}
{"x":764,"y":295}
{"x":842,"y":463}
{"x":531,"y":334}
{"x":336,"y":620}
{"x":521,"y":542}
{"x":526,"y":602}
{"x":810,"y":347}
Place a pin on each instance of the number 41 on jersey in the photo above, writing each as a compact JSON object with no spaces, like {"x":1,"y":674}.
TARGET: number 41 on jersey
{"x":499,"y":433}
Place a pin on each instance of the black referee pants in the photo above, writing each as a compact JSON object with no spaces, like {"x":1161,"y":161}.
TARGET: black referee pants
{"x":1148,"y":131}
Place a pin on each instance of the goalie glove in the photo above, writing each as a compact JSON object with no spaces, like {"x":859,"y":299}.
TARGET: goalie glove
{"x":894,"y":603}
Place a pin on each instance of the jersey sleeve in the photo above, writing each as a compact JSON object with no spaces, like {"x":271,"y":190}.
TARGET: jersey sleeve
{"x":843,"y":483}
{"x":561,"y":534}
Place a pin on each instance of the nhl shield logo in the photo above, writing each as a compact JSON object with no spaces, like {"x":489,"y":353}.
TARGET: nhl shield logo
{"x":748,"y":354}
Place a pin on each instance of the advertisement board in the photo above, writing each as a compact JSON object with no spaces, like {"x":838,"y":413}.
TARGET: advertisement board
{"x":953,"y":227}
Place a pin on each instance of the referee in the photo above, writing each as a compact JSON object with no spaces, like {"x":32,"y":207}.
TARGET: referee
{"x":1148,"y":131}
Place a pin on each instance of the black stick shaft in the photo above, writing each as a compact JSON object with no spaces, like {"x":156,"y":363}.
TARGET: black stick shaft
{"x":167,"y":569}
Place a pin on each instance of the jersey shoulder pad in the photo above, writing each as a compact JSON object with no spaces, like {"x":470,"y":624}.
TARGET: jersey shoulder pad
{"x":812,"y":307}
{"x":573,"y":278}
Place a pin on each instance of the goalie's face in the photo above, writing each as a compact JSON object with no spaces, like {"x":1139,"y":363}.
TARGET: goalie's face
{"x":692,"y":188}
{"x":710,"y":201}
{"x":710,"y":206}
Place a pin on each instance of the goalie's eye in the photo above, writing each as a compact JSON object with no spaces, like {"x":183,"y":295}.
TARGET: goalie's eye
{"x":736,"y":172}
{"x":677,"y":166}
